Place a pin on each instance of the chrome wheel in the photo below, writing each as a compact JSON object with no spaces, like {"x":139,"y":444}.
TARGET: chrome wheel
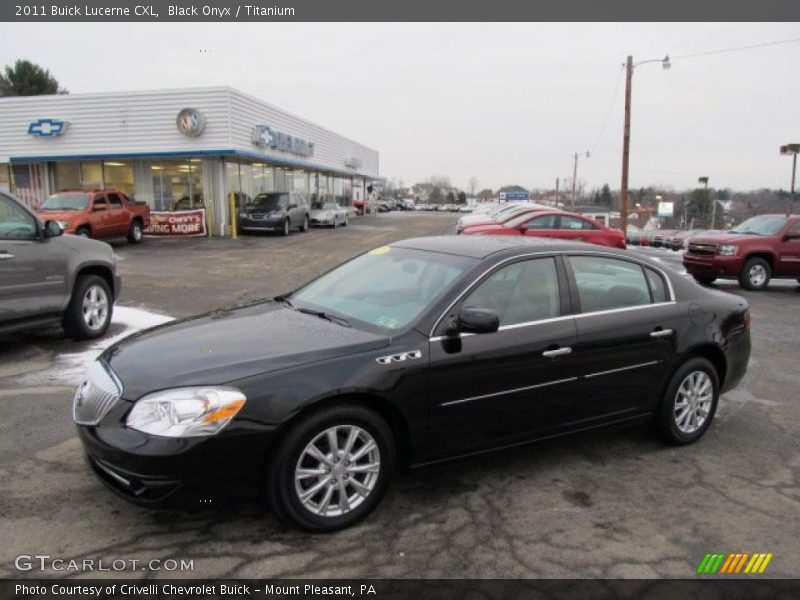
{"x":95,"y":307}
{"x":137,"y":232}
{"x":757,"y":275}
{"x":693,"y":401}
{"x":337,"y":470}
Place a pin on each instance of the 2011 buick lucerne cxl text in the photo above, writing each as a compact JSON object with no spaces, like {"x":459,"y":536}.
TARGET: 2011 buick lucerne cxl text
{"x":413,"y":353}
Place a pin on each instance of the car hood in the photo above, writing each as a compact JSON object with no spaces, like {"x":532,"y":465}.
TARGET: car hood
{"x":228,"y":345}
{"x":723,"y":238}
{"x":484,"y":227}
{"x":58,"y":215}
{"x":322,"y":213}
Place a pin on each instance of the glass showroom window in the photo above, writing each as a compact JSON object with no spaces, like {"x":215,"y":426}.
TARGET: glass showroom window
{"x":263,"y":179}
{"x":91,"y":175}
{"x":177,"y":185}
{"x":5,"y":177}
{"x":67,"y":176}
{"x":300,"y":182}
{"x":118,"y":176}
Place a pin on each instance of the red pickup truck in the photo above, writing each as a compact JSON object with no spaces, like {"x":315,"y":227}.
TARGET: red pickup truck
{"x":97,"y":214}
{"x":759,"y":249}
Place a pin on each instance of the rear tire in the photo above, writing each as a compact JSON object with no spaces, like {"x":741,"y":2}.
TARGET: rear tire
{"x":704,"y":280}
{"x":341,"y":502}
{"x":755,"y":274}
{"x":304,"y":226}
{"x":689,"y":402}
{"x":83,"y":232}
{"x":90,"y":308}
{"x":136,"y":232}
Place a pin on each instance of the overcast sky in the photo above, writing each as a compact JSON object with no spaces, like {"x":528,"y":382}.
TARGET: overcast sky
{"x":505,"y":103}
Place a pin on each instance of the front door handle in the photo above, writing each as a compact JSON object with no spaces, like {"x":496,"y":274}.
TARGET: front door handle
{"x":659,"y":333}
{"x":557,"y":352}
{"x":6,"y":256}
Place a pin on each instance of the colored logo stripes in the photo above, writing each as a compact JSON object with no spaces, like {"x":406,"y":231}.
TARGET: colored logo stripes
{"x":734,"y":563}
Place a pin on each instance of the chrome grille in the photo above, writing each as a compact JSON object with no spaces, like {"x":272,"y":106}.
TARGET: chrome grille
{"x":703,"y":249}
{"x":95,"y":396}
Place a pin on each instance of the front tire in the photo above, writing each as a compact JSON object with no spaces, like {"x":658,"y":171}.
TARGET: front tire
{"x":84,"y":232}
{"x":332,"y":468}
{"x":90,"y":308}
{"x":135,"y":233}
{"x":689,"y":402}
{"x":755,"y":274}
{"x":287,"y":226}
{"x":335,"y":222}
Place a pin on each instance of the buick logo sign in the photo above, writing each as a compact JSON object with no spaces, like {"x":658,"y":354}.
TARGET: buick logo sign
{"x":191,"y":122}
{"x":47,"y":127}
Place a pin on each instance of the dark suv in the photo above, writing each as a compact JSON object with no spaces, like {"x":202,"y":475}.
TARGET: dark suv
{"x":48,"y":278}
{"x":275,"y":211}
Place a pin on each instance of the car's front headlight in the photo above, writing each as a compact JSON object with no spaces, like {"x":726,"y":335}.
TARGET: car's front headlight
{"x":728,"y":250}
{"x":186,"y":412}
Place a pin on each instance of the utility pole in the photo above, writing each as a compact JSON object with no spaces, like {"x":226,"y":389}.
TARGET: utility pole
{"x":704,"y":181}
{"x":557,"y":181}
{"x":793,"y":150}
{"x":626,"y":148}
{"x":574,"y":178}
{"x":626,"y":137}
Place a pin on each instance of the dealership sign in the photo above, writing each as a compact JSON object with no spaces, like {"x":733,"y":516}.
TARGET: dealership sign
{"x":190,"y":122}
{"x":47,"y":127}
{"x":511,"y":196}
{"x":267,"y":137}
{"x":666,"y":209}
{"x":177,"y":223}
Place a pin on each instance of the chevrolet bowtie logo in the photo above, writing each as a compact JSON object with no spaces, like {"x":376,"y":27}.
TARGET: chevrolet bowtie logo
{"x":47,"y":127}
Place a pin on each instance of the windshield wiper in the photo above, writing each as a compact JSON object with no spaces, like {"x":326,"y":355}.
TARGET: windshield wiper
{"x":324,"y":315}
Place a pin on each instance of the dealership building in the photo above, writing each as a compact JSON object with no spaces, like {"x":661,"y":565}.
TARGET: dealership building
{"x":181,"y":149}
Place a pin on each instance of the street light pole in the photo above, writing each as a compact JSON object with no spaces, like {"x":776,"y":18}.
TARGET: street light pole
{"x":626,"y":137}
{"x":704,"y":181}
{"x":574,"y":178}
{"x":793,"y":150}
{"x":626,"y":149}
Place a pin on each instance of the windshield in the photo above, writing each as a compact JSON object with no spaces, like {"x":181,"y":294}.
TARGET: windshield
{"x":386,"y":288}
{"x":324,"y":206}
{"x":66,"y":202}
{"x":762,"y":225}
{"x":269,"y":202}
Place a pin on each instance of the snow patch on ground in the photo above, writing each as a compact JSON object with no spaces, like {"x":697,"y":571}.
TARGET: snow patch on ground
{"x":69,"y":368}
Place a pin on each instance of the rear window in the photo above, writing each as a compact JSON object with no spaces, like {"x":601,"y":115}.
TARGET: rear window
{"x":609,"y":283}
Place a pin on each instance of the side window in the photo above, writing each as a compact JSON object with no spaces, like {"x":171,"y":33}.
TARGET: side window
{"x":99,"y":200}
{"x":657,"y":287}
{"x":15,"y":222}
{"x":574,"y":223}
{"x":521,"y":292}
{"x":544,"y":222}
{"x":608,"y":283}
{"x":114,"y":200}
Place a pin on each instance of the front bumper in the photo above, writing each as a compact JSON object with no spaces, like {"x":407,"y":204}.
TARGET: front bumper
{"x":152,"y":470}
{"x":261,"y":224}
{"x":712,"y":264}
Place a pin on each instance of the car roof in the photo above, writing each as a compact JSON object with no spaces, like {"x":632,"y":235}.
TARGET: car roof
{"x":481,"y":246}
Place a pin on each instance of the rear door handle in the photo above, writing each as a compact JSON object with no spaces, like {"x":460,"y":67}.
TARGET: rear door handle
{"x":659,"y":333}
{"x":6,"y":256}
{"x":557,"y":352}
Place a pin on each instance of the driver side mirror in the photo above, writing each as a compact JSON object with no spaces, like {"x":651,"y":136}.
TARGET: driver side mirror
{"x":52,"y":229}
{"x":476,"y":320}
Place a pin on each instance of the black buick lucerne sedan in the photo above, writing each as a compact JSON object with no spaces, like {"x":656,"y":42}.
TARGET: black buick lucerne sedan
{"x":413,"y":353}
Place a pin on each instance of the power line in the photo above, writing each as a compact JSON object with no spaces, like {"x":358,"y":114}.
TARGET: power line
{"x":736,"y":49}
{"x":608,"y":112}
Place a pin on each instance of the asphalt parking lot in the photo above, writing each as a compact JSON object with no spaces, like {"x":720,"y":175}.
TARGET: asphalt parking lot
{"x":611,"y":504}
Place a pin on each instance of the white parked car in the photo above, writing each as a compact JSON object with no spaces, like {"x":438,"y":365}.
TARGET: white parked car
{"x":328,"y":214}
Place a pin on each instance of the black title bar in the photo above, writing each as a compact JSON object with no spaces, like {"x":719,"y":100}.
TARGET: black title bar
{"x":398,"y":10}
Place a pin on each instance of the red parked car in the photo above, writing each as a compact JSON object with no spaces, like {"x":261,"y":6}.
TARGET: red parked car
{"x":555,"y":224}
{"x":97,"y":214}
{"x":760,"y":249}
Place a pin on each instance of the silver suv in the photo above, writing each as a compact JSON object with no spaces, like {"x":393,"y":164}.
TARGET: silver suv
{"x":48,"y":278}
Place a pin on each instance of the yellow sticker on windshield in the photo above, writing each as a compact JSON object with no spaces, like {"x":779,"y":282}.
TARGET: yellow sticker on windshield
{"x":379,"y":250}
